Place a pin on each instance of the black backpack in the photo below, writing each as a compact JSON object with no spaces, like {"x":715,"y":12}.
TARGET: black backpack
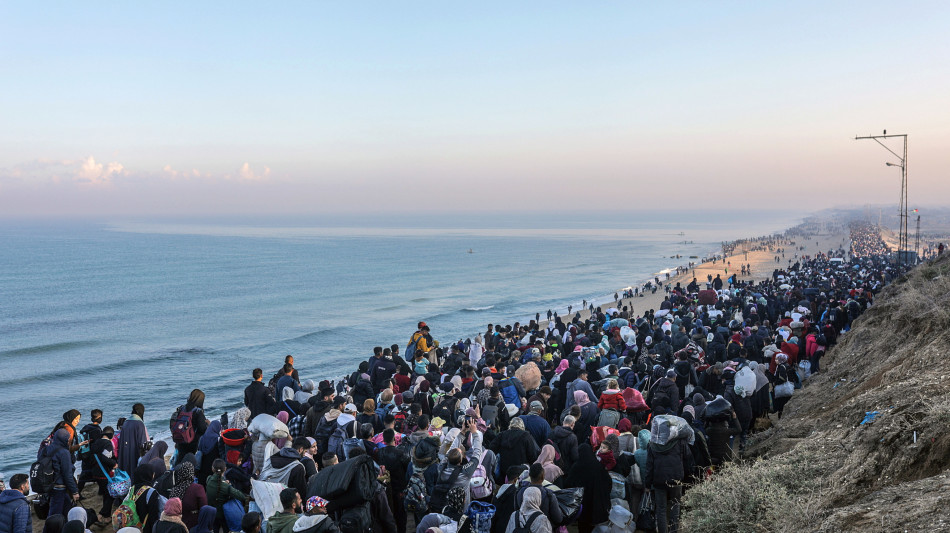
{"x":526,"y":527}
{"x":42,"y":475}
{"x":446,"y":409}
{"x":355,"y":519}
{"x":440,"y":491}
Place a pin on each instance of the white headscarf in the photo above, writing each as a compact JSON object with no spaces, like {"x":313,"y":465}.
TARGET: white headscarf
{"x":531,"y":504}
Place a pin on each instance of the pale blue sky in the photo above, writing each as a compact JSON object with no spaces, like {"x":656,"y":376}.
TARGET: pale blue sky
{"x":202,"y":108}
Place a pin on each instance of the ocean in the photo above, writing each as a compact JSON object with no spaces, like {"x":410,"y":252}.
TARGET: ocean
{"x":103,"y":314}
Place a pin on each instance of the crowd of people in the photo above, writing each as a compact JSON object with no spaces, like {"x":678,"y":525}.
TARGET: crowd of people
{"x":600,"y":422}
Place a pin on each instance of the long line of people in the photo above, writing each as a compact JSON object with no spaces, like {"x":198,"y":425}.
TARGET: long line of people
{"x":601,"y":422}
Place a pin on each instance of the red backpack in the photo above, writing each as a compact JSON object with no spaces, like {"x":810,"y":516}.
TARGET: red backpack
{"x":183,"y":429}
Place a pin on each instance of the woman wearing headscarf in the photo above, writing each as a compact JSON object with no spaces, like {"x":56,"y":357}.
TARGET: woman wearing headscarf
{"x":54,"y":523}
{"x":240,"y":418}
{"x":529,"y":516}
{"x":146,"y":505}
{"x":196,"y":405}
{"x":283,"y":416}
{"x":155,"y":458}
{"x":132,"y":439}
{"x":170,"y":521}
{"x":78,"y":514}
{"x":588,"y":473}
{"x":191,"y":494}
{"x":208,"y":450}
{"x":74,"y":526}
{"x":205,"y":520}
{"x":587,"y":418}
{"x":552,"y":472}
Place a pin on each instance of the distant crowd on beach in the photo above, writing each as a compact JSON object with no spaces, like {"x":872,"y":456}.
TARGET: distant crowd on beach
{"x":599,"y":422}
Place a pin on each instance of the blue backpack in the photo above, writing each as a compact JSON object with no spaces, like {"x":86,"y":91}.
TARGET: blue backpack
{"x":509,"y":392}
{"x":233,"y":513}
{"x":411,"y":348}
{"x":335,"y":443}
{"x":480,"y":514}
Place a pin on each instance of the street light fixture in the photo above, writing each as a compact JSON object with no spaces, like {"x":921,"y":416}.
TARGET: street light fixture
{"x":903,"y":246}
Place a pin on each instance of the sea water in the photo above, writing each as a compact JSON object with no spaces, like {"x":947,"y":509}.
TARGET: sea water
{"x":104,"y":314}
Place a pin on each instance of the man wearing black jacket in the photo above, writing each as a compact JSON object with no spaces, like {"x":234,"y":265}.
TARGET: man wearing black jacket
{"x":257,"y":397}
{"x":666,"y":468}
{"x":396,"y":460}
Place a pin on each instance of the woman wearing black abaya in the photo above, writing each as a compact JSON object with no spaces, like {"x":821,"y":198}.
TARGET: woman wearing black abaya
{"x":587,"y":472}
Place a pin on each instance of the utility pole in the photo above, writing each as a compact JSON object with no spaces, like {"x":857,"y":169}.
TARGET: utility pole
{"x":903,"y":241}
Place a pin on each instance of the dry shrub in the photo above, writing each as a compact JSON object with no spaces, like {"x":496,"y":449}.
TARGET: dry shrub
{"x":771,"y":495}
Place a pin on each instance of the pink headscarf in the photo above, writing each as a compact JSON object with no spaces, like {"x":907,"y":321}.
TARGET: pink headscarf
{"x":546,"y":460}
{"x":580,"y":398}
{"x":562,"y":366}
{"x":283,"y":416}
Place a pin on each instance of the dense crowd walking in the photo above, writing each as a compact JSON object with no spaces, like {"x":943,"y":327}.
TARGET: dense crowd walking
{"x":600,"y":422}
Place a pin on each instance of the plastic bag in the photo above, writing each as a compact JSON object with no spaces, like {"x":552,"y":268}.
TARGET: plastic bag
{"x":529,"y":375}
{"x":267,"y":497}
{"x":718,"y":410}
{"x":746,"y":379}
{"x":569,"y":500}
{"x":268,"y":427}
{"x":599,"y":433}
{"x":667,"y":428}
{"x":784,"y":390}
{"x":634,"y":400}
{"x":646,"y":519}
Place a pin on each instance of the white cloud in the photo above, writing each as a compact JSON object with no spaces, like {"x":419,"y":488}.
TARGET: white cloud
{"x":97,"y":173}
{"x":247,"y":173}
{"x":169,"y":172}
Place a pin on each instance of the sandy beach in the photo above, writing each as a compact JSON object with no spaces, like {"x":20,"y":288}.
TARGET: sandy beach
{"x":762,"y":263}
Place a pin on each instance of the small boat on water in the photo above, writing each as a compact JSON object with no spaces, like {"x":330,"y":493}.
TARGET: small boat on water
{"x":470,"y":251}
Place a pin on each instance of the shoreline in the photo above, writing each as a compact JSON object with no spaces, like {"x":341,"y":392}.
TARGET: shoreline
{"x":762,"y":265}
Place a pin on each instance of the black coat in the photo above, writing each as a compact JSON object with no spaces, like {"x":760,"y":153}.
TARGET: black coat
{"x":515,"y":447}
{"x":566,"y":442}
{"x":588,"y":418}
{"x":664,"y":387}
{"x":258,"y":399}
{"x":587,"y":472}
{"x":396,"y":461}
{"x":384,"y":369}
{"x":717,"y":440}
{"x":667,"y":465}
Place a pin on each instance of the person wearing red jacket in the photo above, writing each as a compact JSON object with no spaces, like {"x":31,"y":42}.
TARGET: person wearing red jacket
{"x":612,"y":398}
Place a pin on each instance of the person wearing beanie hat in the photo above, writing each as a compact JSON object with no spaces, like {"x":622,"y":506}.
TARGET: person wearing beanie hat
{"x":170,"y":520}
